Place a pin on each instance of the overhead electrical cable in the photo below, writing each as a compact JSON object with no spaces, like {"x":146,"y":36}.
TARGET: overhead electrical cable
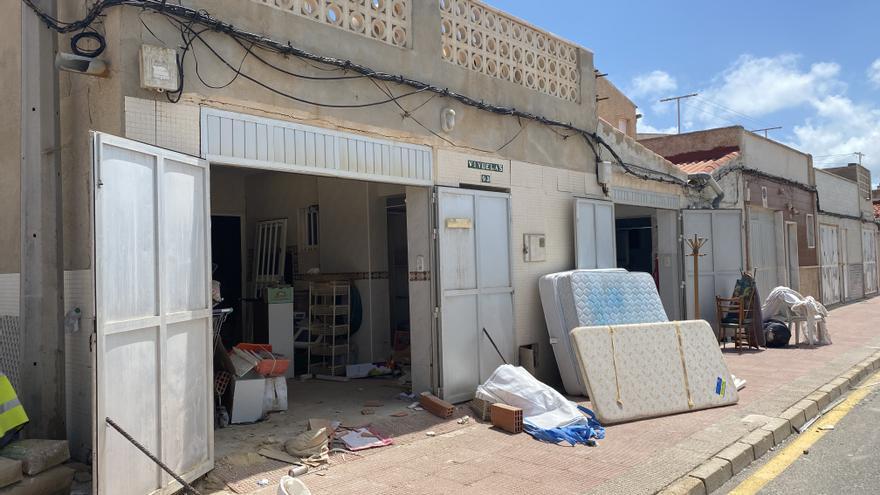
{"x":188,"y":18}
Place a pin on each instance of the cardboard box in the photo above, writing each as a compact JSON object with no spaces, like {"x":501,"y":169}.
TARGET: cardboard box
{"x":278,"y":295}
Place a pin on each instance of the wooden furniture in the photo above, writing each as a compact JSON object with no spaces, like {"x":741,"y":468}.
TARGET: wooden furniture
{"x":732,"y":313}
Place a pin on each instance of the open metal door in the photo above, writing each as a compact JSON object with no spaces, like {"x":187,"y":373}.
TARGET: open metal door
{"x":152,"y":262}
{"x":594,"y":234}
{"x":722,"y":264}
{"x":475,"y":288}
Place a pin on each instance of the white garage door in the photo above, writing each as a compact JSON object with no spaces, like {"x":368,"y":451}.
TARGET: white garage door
{"x":476,"y":290}
{"x":594,"y":234}
{"x":763,"y":250}
{"x":830,"y":262}
{"x":869,"y":263}
{"x":153,"y":316}
{"x":722,"y":263}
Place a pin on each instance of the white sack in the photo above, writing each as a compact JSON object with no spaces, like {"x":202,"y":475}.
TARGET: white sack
{"x":813,"y":311}
{"x":542,"y":406}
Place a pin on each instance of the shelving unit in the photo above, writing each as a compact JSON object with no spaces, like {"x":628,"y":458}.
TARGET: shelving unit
{"x":329,"y":329}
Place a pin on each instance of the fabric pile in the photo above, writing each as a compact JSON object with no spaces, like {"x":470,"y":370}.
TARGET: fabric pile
{"x":547,"y":415}
{"x":783,"y":301}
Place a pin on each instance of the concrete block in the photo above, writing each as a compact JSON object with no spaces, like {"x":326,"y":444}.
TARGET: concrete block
{"x":795,"y":416}
{"x":761,"y":440}
{"x":10,"y":471}
{"x":739,"y":454}
{"x":820,"y":398}
{"x":830,"y":390}
{"x":811,"y":408}
{"x":55,"y":481}
{"x":37,"y":455}
{"x":714,"y":473}
{"x":780,"y":428}
{"x":687,"y":485}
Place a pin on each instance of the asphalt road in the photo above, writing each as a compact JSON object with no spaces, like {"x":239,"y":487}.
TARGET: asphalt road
{"x":846,"y":461}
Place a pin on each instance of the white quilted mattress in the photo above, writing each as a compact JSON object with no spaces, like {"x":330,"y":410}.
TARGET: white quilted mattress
{"x":652,"y":369}
{"x":581,"y":298}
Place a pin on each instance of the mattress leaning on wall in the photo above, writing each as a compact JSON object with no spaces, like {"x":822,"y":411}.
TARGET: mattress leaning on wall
{"x":652,"y":369}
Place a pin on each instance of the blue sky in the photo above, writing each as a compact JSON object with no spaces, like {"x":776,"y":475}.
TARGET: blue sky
{"x":810,"y":66}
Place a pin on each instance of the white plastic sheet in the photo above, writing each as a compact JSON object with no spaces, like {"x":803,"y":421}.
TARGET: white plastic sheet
{"x":782,"y":299}
{"x":542,"y":406}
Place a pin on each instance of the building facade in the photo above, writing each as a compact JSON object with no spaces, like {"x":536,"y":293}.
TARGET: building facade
{"x":774,"y":188}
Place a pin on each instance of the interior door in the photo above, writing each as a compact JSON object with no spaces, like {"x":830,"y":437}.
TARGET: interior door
{"x":762,"y":250}
{"x":830,"y":263}
{"x":153,"y":372}
{"x":722,"y":261}
{"x":594,"y":234}
{"x":475,"y":288}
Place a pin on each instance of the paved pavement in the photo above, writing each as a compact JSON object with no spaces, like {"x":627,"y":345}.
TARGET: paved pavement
{"x":636,"y":458}
{"x":845,"y":460}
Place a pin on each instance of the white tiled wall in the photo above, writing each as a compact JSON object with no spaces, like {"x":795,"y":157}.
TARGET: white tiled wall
{"x":170,"y":125}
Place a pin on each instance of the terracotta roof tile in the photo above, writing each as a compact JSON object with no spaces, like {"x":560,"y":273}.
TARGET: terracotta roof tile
{"x":705,"y":161}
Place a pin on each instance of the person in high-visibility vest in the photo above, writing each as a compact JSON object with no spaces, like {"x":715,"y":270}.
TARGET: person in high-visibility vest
{"x":12,"y":415}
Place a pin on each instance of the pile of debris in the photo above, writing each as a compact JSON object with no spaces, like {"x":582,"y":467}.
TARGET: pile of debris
{"x":36,"y":467}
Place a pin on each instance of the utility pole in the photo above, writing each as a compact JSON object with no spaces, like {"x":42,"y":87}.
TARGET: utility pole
{"x":42,"y":264}
{"x":860,"y":155}
{"x":767,"y":129}
{"x":677,"y":100}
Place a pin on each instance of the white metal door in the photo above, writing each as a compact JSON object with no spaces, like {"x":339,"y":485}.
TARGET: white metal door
{"x":475,"y":288}
{"x":762,"y":250}
{"x":594,"y":234}
{"x":830,"y":263}
{"x":869,"y":263}
{"x":723,"y":261}
{"x":153,"y":372}
{"x":843,"y":253}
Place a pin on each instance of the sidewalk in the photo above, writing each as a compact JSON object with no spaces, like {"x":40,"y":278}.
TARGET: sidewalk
{"x":635,"y":458}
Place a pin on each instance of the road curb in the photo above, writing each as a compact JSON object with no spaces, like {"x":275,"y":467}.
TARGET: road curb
{"x":718,"y":469}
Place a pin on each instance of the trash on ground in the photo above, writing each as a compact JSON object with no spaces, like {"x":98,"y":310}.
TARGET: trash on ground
{"x":547,"y":415}
{"x":311,"y":447}
{"x":298,"y":471}
{"x":400,"y":414}
{"x":739,"y":383}
{"x":363,"y":438}
{"x":508,"y":418}
{"x":431,"y":433}
{"x":406,"y":396}
{"x":826,"y":427}
{"x":292,"y":486}
{"x":367,"y":412}
{"x":263,"y":482}
{"x":436,"y":406}
{"x":464,"y":420}
{"x":278,"y":455}
{"x":373,"y":403}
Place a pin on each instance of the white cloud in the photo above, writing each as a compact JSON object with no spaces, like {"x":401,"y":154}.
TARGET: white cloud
{"x":874,"y":73}
{"x":653,"y":83}
{"x":759,"y":86}
{"x":840,"y":127}
{"x":646,"y":128}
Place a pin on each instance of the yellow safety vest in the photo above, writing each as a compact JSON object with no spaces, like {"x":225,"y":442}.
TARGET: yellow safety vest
{"x":12,"y":415}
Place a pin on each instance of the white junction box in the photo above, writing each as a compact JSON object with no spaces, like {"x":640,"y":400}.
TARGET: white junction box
{"x":534,"y":247}
{"x":159,"y":68}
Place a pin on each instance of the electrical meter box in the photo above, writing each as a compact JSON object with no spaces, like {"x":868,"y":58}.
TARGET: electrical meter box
{"x":534,"y":247}
{"x":159,"y":68}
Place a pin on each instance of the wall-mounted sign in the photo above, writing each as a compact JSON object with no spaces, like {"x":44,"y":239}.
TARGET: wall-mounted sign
{"x":459,"y":223}
{"x":490,"y":167}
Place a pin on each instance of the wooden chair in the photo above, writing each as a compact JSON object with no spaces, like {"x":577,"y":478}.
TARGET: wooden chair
{"x":732,"y":313}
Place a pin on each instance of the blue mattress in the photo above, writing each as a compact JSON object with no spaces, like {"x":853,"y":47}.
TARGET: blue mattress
{"x":583,"y":298}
